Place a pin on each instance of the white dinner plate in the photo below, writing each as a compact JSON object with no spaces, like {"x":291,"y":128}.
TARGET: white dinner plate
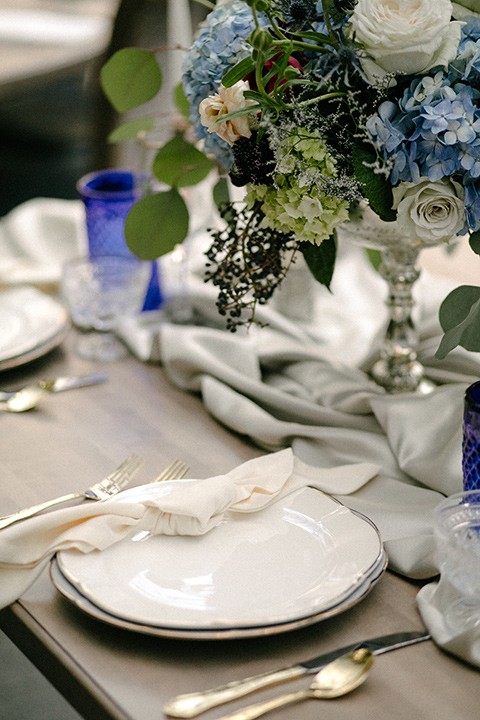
{"x":71,"y":593}
{"x":295,"y":561}
{"x":32,"y":324}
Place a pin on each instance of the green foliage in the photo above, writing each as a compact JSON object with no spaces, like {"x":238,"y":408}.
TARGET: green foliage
{"x":248,"y":110}
{"x":376,"y":190}
{"x":131,"y":129}
{"x":221,"y":194}
{"x":321,"y":259}
{"x":180,"y":164}
{"x":181,"y":101}
{"x":159,"y":221}
{"x":474,"y":241}
{"x":238,"y":72}
{"x":460,"y":320}
{"x":156,"y":224}
{"x":375,"y":257}
{"x":131,"y":77}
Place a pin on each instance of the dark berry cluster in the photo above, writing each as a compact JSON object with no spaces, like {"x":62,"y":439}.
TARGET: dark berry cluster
{"x":247,"y":263}
{"x":253,"y":161}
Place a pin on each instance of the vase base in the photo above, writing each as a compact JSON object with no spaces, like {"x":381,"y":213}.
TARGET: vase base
{"x":395,"y":379}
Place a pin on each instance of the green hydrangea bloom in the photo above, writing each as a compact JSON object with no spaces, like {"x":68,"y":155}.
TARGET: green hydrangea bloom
{"x":295,"y":203}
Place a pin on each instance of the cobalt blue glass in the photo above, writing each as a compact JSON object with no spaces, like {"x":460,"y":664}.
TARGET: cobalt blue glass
{"x":471,"y":438}
{"x":108,"y":196}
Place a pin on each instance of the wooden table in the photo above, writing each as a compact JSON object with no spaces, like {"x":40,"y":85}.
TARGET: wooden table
{"x":105,"y":672}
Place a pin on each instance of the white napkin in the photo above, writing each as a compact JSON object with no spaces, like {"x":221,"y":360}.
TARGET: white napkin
{"x":181,"y":507}
{"x":38,"y":237}
{"x":454,"y":633}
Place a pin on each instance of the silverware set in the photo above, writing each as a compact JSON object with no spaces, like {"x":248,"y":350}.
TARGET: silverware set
{"x":193,"y":704}
{"x":31,"y":395}
{"x":102,"y":490}
{"x":338,"y":678}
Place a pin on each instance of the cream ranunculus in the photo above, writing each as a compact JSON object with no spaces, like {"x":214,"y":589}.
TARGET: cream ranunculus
{"x":405,"y":36}
{"x":228,"y":100}
{"x":431,"y":212}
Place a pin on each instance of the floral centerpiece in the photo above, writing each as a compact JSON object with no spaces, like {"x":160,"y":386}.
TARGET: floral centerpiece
{"x":318,"y":108}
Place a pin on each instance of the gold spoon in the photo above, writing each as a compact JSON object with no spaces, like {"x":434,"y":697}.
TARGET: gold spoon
{"x":27,"y":398}
{"x":337,"y":678}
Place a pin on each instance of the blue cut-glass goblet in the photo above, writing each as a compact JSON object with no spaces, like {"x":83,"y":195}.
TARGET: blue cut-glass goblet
{"x":471,"y":438}
{"x":108,"y":196}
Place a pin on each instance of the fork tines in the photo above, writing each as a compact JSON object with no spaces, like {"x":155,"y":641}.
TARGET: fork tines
{"x":123,"y":474}
{"x":176,"y":470}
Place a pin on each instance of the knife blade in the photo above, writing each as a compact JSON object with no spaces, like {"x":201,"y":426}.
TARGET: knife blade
{"x":60,"y":384}
{"x":192,"y":704}
{"x":69,"y":383}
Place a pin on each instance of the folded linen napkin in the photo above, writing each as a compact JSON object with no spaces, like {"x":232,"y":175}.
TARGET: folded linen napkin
{"x":457,"y":634}
{"x":179,"y":507}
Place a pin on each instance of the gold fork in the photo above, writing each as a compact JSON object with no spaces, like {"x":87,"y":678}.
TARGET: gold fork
{"x":111,"y":485}
{"x":175,"y":471}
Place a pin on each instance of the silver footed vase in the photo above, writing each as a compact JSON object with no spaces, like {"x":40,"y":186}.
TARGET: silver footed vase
{"x":398,"y":369}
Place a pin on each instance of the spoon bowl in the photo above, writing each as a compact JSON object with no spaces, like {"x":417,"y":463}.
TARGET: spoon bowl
{"x":27,"y":398}
{"x":342,"y":675}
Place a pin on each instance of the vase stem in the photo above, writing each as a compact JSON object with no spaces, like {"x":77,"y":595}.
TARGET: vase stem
{"x":398,"y":369}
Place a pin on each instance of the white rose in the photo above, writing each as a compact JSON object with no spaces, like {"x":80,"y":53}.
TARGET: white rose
{"x":405,"y":36}
{"x":226,"y":101}
{"x":430,"y":212}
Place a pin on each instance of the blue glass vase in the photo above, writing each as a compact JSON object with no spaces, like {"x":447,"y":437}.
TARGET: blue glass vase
{"x":471,"y":438}
{"x":108,"y":196}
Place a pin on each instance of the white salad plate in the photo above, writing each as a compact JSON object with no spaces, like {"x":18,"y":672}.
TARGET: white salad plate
{"x":303,"y":559}
{"x":32,"y":324}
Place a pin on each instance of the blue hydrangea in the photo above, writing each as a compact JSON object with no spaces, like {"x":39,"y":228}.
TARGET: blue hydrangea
{"x":433,"y":129}
{"x":219,"y":45}
{"x":466,"y":66}
{"x":470,"y":33}
{"x":454,"y":118}
{"x":472,"y":202}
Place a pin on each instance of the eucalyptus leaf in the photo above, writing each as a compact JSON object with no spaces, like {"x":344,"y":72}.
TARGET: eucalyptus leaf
{"x":180,"y":164}
{"x":221,"y":194}
{"x":156,"y":224}
{"x":321,"y":259}
{"x":131,"y":77}
{"x":375,"y":257}
{"x":474,"y":241}
{"x":376,"y":189}
{"x":181,"y":101}
{"x":130,"y":129}
{"x":460,"y":320}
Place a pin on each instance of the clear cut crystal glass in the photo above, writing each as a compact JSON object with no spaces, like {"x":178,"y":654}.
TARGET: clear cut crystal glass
{"x":457,"y":535}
